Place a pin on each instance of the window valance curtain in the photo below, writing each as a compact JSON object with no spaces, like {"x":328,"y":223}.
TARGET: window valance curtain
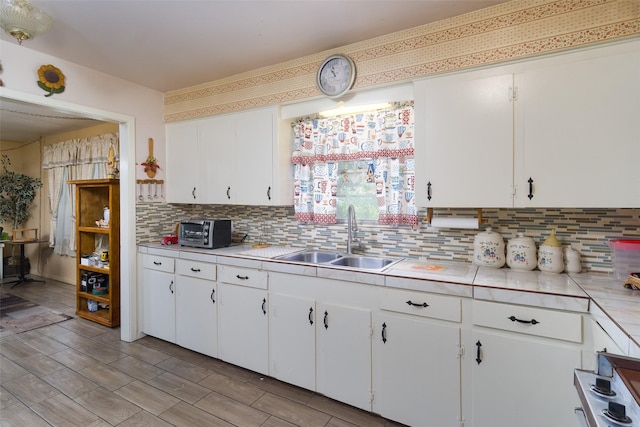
{"x":84,"y":158}
{"x":385,"y":137}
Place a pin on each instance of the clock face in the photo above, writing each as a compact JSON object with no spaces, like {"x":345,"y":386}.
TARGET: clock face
{"x":336,"y":75}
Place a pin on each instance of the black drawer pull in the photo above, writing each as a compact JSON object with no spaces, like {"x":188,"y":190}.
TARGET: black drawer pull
{"x":195,"y":270}
{"x":213,"y":291}
{"x":478,"y":358}
{"x":311,"y":315}
{"x":326,"y":324}
{"x":242,"y":277}
{"x":264,"y":306}
{"x":157,"y":263}
{"x":515,"y":319}
{"x":384,"y":333}
{"x":424,"y":304}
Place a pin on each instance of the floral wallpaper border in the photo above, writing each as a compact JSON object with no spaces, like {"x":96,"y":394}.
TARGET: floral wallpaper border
{"x":513,"y":30}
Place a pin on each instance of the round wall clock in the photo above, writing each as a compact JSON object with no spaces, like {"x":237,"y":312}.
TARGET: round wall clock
{"x":336,"y":75}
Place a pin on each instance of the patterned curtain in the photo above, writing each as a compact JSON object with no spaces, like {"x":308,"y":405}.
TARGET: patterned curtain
{"x":84,"y":158}
{"x":384,"y":137}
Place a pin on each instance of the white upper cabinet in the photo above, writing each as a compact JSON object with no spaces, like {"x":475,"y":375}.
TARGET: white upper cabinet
{"x":562,"y":131}
{"x":182,"y":163}
{"x":239,"y":158}
{"x":580,"y":131}
{"x":464,"y":141}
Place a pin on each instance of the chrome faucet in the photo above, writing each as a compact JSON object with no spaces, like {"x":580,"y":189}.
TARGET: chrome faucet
{"x":352,"y":227}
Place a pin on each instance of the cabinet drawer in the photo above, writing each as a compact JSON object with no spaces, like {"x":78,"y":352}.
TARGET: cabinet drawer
{"x":202,"y":270}
{"x":243,"y":276}
{"x":539,"y":321}
{"x":160,"y":263}
{"x":437,"y":306}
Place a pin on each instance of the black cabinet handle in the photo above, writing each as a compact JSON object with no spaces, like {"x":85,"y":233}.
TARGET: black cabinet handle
{"x":264,"y":306}
{"x":228,"y":190}
{"x":195,"y":270}
{"x":242,"y":277}
{"x":478,"y":359}
{"x":193,"y":192}
{"x":424,"y":304}
{"x":171,"y":286}
{"x":157,"y":263}
{"x":311,"y":315}
{"x":326,"y":324}
{"x":429,"y":190}
{"x":530,"y":181}
{"x":384,"y":333}
{"x":515,"y":319}
{"x":269,"y":193}
{"x":213,"y":291}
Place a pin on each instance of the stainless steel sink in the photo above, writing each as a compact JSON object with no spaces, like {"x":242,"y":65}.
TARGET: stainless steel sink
{"x":312,"y":257}
{"x":338,"y":259}
{"x":364,"y":262}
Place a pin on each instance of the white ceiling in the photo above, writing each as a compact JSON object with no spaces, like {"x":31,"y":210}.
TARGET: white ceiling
{"x":173,"y":44}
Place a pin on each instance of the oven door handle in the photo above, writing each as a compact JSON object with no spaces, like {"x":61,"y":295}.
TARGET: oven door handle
{"x":582,"y":417}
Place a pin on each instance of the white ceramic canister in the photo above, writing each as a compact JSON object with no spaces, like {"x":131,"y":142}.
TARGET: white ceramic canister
{"x":488,"y":249}
{"x":521,"y":253}
{"x":550,"y":256}
{"x":572,"y":260}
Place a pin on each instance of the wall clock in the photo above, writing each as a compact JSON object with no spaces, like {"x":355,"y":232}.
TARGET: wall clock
{"x":336,"y":75}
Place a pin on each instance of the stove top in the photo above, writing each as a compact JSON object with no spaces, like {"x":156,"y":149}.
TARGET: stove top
{"x":609,"y":396}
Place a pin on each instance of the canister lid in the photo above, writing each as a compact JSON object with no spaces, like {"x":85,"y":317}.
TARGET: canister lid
{"x":551,"y":240}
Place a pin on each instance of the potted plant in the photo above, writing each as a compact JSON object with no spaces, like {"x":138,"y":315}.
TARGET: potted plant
{"x":17,"y":192}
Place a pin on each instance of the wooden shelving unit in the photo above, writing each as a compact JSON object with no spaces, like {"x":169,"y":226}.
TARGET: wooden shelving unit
{"x":92,"y":196}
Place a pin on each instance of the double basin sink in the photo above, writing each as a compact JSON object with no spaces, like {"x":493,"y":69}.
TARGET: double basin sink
{"x":337,"y":259}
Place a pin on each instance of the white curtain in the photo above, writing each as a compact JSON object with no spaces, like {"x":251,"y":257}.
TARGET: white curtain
{"x":84,"y":158}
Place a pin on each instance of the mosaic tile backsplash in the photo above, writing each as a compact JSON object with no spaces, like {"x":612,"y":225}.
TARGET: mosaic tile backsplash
{"x":587,"y":230}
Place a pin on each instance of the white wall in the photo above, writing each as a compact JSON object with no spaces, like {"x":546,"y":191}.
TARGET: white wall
{"x":96,"y":94}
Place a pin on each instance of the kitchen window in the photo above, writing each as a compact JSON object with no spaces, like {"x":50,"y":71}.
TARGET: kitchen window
{"x":364,"y":159}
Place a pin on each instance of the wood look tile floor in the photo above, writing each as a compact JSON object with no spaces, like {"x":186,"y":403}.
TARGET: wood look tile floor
{"x":79,"y":373}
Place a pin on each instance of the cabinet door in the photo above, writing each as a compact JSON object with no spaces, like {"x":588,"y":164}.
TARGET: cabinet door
{"x":216,"y":150}
{"x":182,"y":163}
{"x":522,"y":382}
{"x":416,"y":370}
{"x":343,"y":337}
{"x":158,"y":304}
{"x":292,"y":340}
{"x":464,"y":141}
{"x":243,"y":327}
{"x":580,"y":141}
{"x":196,"y":315}
{"x":253,"y":159}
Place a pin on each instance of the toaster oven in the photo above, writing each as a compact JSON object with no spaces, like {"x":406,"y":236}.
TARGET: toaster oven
{"x":205,"y":233}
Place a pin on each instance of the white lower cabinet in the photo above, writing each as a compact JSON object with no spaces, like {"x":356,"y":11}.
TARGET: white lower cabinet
{"x":158,"y":297}
{"x":243,"y":324}
{"x":417,"y":360}
{"x":343,"y":364}
{"x":333,"y":355}
{"x":292,"y":340}
{"x":521,"y":379}
{"x":196,"y":307}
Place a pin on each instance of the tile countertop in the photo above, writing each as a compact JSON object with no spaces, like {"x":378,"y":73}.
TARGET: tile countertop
{"x":616,"y":308}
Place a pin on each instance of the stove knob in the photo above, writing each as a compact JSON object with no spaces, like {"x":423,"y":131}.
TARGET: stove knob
{"x":617,"y":411}
{"x":603,"y":386}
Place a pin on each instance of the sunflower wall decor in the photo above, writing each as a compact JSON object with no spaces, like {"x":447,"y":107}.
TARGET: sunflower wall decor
{"x":51,"y":79}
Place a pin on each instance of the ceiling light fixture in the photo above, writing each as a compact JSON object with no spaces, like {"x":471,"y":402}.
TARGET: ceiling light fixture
{"x":23,"y":21}
{"x":342,"y":109}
